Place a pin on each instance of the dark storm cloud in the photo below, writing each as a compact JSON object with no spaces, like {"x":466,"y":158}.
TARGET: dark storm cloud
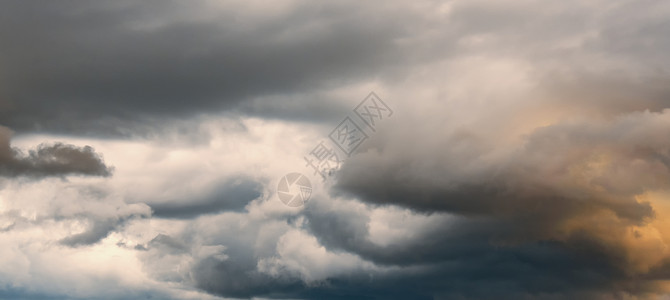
{"x":560,"y":169}
{"x":454,"y":257}
{"x":92,"y":67}
{"x":49,"y":160}
{"x":442,"y":267}
{"x":339,"y":229}
{"x":556,"y":186}
{"x":117,"y":66}
{"x":231,"y":195}
{"x":239,"y":278}
{"x":452,"y":260}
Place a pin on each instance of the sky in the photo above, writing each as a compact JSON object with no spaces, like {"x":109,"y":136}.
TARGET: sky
{"x":508,"y":149}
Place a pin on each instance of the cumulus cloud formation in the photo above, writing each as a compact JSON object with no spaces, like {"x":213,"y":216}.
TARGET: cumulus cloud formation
{"x":527,"y":156}
{"x":586,"y":188}
{"x":49,"y":160}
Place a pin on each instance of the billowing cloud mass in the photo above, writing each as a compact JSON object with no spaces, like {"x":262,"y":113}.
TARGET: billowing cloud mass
{"x":527,"y":156}
{"x":49,"y":160}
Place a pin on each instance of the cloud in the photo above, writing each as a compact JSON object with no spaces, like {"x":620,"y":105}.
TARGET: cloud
{"x":231,"y":195}
{"x":115,"y":66}
{"x":527,"y":156}
{"x":97,"y":230}
{"x":49,"y":160}
{"x":559,"y":184}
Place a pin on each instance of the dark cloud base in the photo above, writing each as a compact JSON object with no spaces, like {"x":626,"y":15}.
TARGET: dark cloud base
{"x":232,"y":195}
{"x":49,"y":160}
{"x":102,"y":73}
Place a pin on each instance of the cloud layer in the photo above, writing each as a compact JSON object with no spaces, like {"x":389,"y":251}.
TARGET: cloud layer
{"x":527,"y":157}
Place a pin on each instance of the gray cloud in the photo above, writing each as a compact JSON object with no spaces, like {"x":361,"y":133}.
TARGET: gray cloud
{"x":107,"y":64}
{"x":231,"y":195}
{"x":540,"y":169}
{"x":554,"y":186}
{"x":49,"y":160}
{"x":527,"y":157}
{"x":435,"y":267}
{"x":98,"y":229}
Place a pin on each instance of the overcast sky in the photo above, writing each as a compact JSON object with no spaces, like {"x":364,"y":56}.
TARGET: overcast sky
{"x":521,"y":149}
